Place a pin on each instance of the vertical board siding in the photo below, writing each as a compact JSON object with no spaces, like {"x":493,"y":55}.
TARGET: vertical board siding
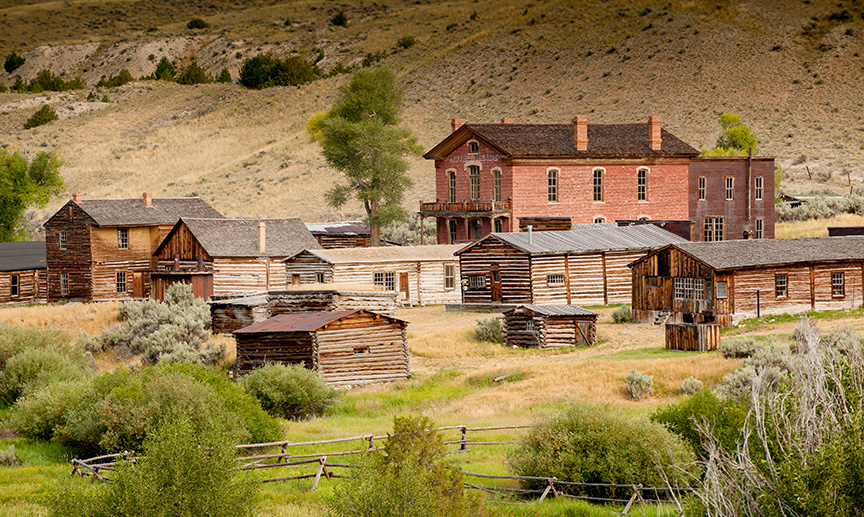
{"x":692,"y":337}
{"x":75,"y":260}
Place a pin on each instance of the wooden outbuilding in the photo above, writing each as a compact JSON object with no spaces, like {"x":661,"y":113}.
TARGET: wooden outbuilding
{"x":229,"y":255}
{"x":724,"y":282}
{"x":345,"y":347}
{"x":585,"y":266}
{"x":421,"y":275}
{"x":22,"y":273}
{"x":345,"y":234}
{"x":550,"y":326}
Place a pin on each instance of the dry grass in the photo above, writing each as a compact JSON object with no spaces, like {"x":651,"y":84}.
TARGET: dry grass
{"x":815,"y":227}
{"x":75,"y":318}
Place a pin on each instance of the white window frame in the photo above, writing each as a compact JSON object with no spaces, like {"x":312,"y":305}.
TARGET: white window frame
{"x":555,"y":280}
{"x":64,"y":284}
{"x":722,"y":292}
{"x":529,"y":325}
{"x":123,"y":238}
{"x":552,"y":185}
{"x":64,"y":240}
{"x":477,"y":281}
{"x":687,"y":288}
{"x":838,"y":285}
{"x":120,"y":282}
{"x":390,"y":280}
{"x":14,"y":286}
{"x":642,"y":184}
{"x":758,"y":188}
{"x":781,"y":285}
{"x":597,"y":184}
{"x":730,"y":188}
{"x":702,"y":188}
{"x":715,"y":228}
{"x":449,"y":277}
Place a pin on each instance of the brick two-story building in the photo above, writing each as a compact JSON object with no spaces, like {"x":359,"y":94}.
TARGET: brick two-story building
{"x":491,"y":176}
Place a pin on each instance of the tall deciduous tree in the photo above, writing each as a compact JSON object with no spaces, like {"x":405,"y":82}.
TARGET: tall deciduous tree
{"x":735,"y":140}
{"x":359,"y":137}
{"x":24,"y":184}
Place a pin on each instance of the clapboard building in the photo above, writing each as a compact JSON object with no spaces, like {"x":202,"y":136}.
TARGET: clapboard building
{"x":22,"y":273}
{"x":585,"y":266}
{"x":724,"y":282}
{"x":102,"y":249}
{"x":489,"y":177}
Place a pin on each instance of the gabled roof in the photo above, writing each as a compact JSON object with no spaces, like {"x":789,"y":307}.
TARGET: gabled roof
{"x":341,"y":228}
{"x":433,"y":252}
{"x":133,"y":212}
{"x":556,"y":310}
{"x":230,"y":237}
{"x":22,"y":256}
{"x":304,"y":321}
{"x":738,"y":254}
{"x":556,"y":140}
{"x":584,"y":239}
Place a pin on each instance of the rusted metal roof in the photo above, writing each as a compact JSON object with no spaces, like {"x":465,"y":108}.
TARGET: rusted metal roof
{"x":303,"y":321}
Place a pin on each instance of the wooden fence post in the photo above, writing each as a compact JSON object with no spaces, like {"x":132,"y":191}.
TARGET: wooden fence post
{"x":371,"y":442}
{"x":464,"y":438}
{"x":551,"y":487}
{"x":322,"y":460}
{"x":633,"y":498}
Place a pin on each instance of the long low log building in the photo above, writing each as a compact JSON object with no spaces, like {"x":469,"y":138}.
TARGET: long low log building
{"x":550,"y":326}
{"x":22,"y":273}
{"x":724,"y":282}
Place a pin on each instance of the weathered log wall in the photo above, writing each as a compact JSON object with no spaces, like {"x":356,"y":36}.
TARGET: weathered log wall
{"x":31,"y":287}
{"x":514,"y":268}
{"x":75,"y":259}
{"x":549,"y":331}
{"x":362,"y":350}
{"x":693,"y":337}
{"x":256,"y":350}
{"x":343,"y":241}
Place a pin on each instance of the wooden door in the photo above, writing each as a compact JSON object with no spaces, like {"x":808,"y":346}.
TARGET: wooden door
{"x":138,"y":285}
{"x":405,"y":293}
{"x":495,"y":284}
{"x":295,"y":279}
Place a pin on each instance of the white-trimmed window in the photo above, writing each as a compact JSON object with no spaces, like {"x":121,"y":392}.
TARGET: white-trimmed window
{"x":730,"y":188}
{"x":599,"y":219}
{"x":838,"y":287}
{"x":689,"y":288}
{"x":64,"y":242}
{"x":496,"y":184}
{"x":121,"y":281}
{"x":642,"y":185}
{"x":386,"y":280}
{"x":123,"y":238}
{"x":555,"y":280}
{"x":781,"y":286}
{"x":759,"y":228}
{"x":474,"y":181}
{"x":477,"y":281}
{"x":14,"y":286}
{"x":757,"y":189}
{"x":722,"y":291}
{"x":452,"y":230}
{"x":552,"y":185}
{"x":64,"y":284}
{"x":713,"y":229}
{"x":598,"y":185}
{"x":473,"y":148}
{"x":449,"y":276}
{"x":702,"y":184}
{"x":451,"y":186}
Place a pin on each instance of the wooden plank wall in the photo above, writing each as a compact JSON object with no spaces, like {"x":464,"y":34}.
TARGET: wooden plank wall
{"x":256,"y":350}
{"x":432,"y":289}
{"x":142,"y":243}
{"x":362,"y":349}
{"x":543,"y":293}
{"x":515,"y":333}
{"x":105,"y":278}
{"x":75,"y":260}
{"x":693,"y":337}
{"x":307,"y":266}
{"x":31,"y":287}
{"x":247,"y":274}
{"x":586,"y":279}
{"x":342,"y":241}
{"x":184,"y":244}
{"x":514,"y":267}
{"x":549,"y":331}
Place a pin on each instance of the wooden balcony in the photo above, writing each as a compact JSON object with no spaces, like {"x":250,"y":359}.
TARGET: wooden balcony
{"x":470,"y":209}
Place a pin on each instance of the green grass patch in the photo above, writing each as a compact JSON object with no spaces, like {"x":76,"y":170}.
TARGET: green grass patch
{"x":36,"y":454}
{"x":771,"y":320}
{"x":646,"y":353}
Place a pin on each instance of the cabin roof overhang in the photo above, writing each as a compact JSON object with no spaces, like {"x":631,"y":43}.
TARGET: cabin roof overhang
{"x":171,"y":235}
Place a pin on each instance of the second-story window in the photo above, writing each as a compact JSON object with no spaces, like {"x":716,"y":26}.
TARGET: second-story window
{"x":758,"y":188}
{"x":451,"y":186}
{"x":474,"y":179}
{"x":702,"y":182}
{"x":63,"y":240}
{"x":496,"y":184}
{"x":123,"y":238}
{"x":730,"y":188}
{"x":642,"y":185}
{"x":452,"y":230}
{"x":499,"y":226}
{"x":760,"y":228}
{"x":552,"y":181}
{"x":473,"y":148}
{"x":598,"y":184}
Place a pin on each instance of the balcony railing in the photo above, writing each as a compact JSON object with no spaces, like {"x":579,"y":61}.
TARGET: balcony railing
{"x":491,"y":207}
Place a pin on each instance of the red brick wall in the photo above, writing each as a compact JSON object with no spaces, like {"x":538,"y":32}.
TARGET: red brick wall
{"x":459,"y":160}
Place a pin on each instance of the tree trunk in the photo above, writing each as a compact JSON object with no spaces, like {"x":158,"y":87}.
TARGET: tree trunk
{"x":374,"y":227}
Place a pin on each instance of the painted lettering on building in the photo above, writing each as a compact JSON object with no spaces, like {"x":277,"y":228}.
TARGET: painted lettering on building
{"x":474,"y":157}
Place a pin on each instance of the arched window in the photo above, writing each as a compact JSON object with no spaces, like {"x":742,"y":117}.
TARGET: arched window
{"x":451,"y":186}
{"x":552,"y":185}
{"x":473,"y":148}
{"x":599,"y":219}
{"x":642,"y":185}
{"x":474,"y":177}
{"x":598,"y":184}
{"x":496,"y":184}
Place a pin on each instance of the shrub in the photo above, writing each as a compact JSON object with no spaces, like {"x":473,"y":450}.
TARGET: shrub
{"x":105,"y":98}
{"x":197,"y":23}
{"x":372,"y":58}
{"x":184,"y":471}
{"x":224,"y":77}
{"x":33,"y":368}
{"x":45,"y":115}
{"x":772,"y":356}
{"x":736,"y":348}
{"x":622,"y":314}
{"x":9,"y":458}
{"x":287,"y":22}
{"x":120,"y":79}
{"x":489,"y":329}
{"x":47,"y":81}
{"x":3,"y":88}
{"x":339,"y":19}
{"x":690,"y":386}
{"x":14,"y":340}
{"x":406,"y":42}
{"x":13,"y":62}
{"x":639,"y":385}
{"x":165,"y":70}
{"x":265,"y":71}
{"x":290,"y":391}
{"x":597,"y":444}
{"x":38,"y":413}
{"x":194,"y":74}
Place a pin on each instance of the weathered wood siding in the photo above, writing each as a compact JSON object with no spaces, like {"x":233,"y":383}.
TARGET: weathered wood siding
{"x":514,"y":268}
{"x":590,"y":279}
{"x":141,"y":244}
{"x":619,"y":287}
{"x":104,"y":278}
{"x":31,"y":287}
{"x":586,"y":279}
{"x":543,"y":293}
{"x":247,"y":274}
{"x":549,"y":331}
{"x":693,"y":337}
{"x":75,"y":259}
{"x":665,"y":266}
{"x":362,"y":349}
{"x":307,"y":266}
{"x":342,"y":241}
{"x":256,"y":350}
{"x":184,"y":245}
{"x":432,"y":290}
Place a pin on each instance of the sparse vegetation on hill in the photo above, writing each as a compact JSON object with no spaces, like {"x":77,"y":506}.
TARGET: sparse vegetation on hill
{"x":265,"y":71}
{"x":13,"y":62}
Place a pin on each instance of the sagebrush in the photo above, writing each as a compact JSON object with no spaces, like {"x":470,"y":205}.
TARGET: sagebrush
{"x":290,"y":391}
{"x":639,"y":385}
{"x":489,"y":329}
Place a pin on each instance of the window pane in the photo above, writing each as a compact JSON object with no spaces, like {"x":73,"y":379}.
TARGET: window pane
{"x":721,"y":290}
{"x":730,"y":191}
{"x":553,"y":186}
{"x":758,"y":188}
{"x":702,"y":182}
{"x":452,"y":186}
{"x":642,"y":185}
{"x":780,"y":286}
{"x":474,"y":177}
{"x":837,"y":287}
{"x":598,"y":185}
{"x":496,"y":177}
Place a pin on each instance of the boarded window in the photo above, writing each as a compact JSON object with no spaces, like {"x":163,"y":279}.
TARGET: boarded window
{"x":13,"y":285}
{"x":452,"y":229}
{"x":555,"y":280}
{"x":598,"y":184}
{"x":473,"y":147}
{"x":730,"y":188}
{"x":361,"y":350}
{"x":713,"y":229}
{"x":121,"y":282}
{"x":63,"y":240}
{"x":474,"y":178}
{"x":838,"y":287}
{"x":552,"y":185}
{"x":64,"y":284}
{"x":642,"y":185}
{"x":652,"y":281}
{"x":702,"y":183}
{"x":319,"y":277}
{"x":451,"y":185}
{"x":477,"y":281}
{"x":123,"y":238}
{"x":496,"y":184}
{"x":757,"y":190}
{"x":781,"y":286}
{"x":721,"y":290}
{"x":759,"y":229}
{"x":689,"y":288}
{"x":449,"y":276}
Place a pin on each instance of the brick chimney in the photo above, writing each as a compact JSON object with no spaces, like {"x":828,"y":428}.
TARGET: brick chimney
{"x":654,"y":139}
{"x":456,"y":123}
{"x":262,"y":237}
{"x":76,"y":197}
{"x":148,"y":199}
{"x":580,"y":132}
{"x":507,"y":121}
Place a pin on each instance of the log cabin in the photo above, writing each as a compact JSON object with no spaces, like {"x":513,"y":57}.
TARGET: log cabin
{"x":347,"y":347}
{"x":102,"y":249}
{"x":22,"y":273}
{"x":219,"y":256}
{"x":585,"y":266}
{"x":725,"y":282}
{"x":550,"y":326}
{"x":421,"y":275}
{"x":346,"y":234}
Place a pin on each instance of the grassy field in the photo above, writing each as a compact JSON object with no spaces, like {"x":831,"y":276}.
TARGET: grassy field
{"x":451,"y":383}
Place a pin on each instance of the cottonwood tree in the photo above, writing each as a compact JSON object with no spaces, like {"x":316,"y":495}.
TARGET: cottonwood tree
{"x":25,"y":183}
{"x":360,"y":138}
{"x":735,"y":140}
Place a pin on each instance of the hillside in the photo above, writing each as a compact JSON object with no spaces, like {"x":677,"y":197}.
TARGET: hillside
{"x":792,"y":70}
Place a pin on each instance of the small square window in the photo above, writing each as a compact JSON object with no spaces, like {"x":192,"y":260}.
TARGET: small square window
{"x":781,"y":286}
{"x":361,"y":350}
{"x":529,"y":326}
{"x":477,"y":281}
{"x":319,"y":277}
{"x":555,"y":280}
{"x":838,"y":288}
{"x":652,"y":281}
{"x":473,"y":147}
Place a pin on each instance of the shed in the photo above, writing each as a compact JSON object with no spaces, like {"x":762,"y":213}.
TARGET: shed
{"x":22,"y":273}
{"x":345,"y":347}
{"x":420,"y":274}
{"x":550,"y":326}
{"x":345,"y":234}
{"x":587,"y":265}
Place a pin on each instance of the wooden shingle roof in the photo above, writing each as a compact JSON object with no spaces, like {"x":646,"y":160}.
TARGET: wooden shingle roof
{"x":433,"y":252}
{"x":557,"y":310}
{"x":304,"y":321}
{"x":738,"y":254}
{"x":229,"y":237}
{"x":133,"y":212}
{"x":22,"y":256}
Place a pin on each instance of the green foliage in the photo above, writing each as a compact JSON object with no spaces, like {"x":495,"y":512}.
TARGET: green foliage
{"x":224,"y":77}
{"x":408,"y":478}
{"x":622,"y":315}
{"x":33,"y":368}
{"x":735,"y":140}
{"x":406,"y":42}
{"x":266,"y":71}
{"x":339,"y":19}
{"x":165,"y":70}
{"x":185,"y":471}
{"x":771,"y":358}
{"x":23,"y":184}
{"x":177,"y":329}
{"x":723,"y":416}
{"x":41,"y":411}
{"x":287,"y":22}
{"x":372,"y":58}
{"x":46,"y":81}
{"x":359,"y":138}
{"x":105,"y":98}
{"x":291,"y":392}
{"x":45,"y":115}
{"x":3,"y":88}
{"x":490,"y":330}
{"x":821,"y":207}
{"x":14,"y":340}
{"x":737,"y":348}
{"x":639,"y":385}
{"x":197,"y":23}
{"x":13,"y":62}
{"x":690,"y":385}
{"x":120,"y":79}
{"x":194,"y":74}
{"x":597,"y":444}
{"x":407,"y":233}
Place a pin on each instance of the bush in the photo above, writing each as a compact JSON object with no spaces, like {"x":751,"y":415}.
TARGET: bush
{"x":639,"y":385}
{"x":689,"y":386}
{"x":290,"y":391}
{"x":34,"y":368}
{"x":165,"y":70}
{"x":406,"y":42}
{"x":47,"y":81}
{"x":194,"y":74}
{"x":197,"y":23}
{"x":597,"y":444}
{"x":38,"y":413}
{"x":14,"y":340}
{"x":45,"y":115}
{"x":3,"y":88}
{"x":409,"y":477}
{"x":772,"y":356}
{"x":265,"y":71}
{"x":622,"y":315}
{"x":737,"y":348}
{"x":489,"y":329}
{"x":184,"y":471}
{"x":13,"y":62}
{"x":339,"y":19}
{"x":120,"y":79}
{"x":287,"y":22}
{"x":9,"y":458}
{"x":224,"y":77}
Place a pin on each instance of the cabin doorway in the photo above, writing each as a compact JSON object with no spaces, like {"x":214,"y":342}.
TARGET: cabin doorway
{"x":495,"y":284}
{"x":138,"y":285}
{"x":475,"y":229}
{"x":295,"y":279}
{"x":404,"y":291}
